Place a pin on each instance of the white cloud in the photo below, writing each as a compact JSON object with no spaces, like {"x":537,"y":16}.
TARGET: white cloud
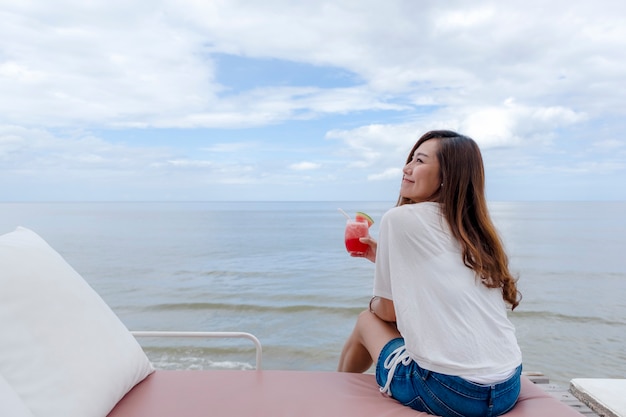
{"x":146,"y":64}
{"x":187,"y":163}
{"x":513,"y":75}
{"x":19,"y":73}
{"x":378,"y":145}
{"x":37,"y":150}
{"x":609,"y":144}
{"x":391,"y":173}
{"x":509,"y":124}
{"x":512,"y":124}
{"x":157,"y":61}
{"x":463,"y":19}
{"x":229,"y":147}
{"x":305,"y":166}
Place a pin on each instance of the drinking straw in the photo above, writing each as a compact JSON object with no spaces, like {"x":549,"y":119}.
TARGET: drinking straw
{"x":344,"y":213}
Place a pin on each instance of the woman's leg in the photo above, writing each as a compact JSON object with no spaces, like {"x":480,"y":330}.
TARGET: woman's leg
{"x":369,"y":337}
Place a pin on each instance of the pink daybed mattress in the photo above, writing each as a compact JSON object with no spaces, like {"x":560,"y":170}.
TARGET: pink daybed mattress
{"x":272,"y":393}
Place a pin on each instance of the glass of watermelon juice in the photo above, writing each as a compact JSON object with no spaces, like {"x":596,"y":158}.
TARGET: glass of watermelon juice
{"x":356,"y":229}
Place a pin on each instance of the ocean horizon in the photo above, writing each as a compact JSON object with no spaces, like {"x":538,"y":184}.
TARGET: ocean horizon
{"x":280,"y":271}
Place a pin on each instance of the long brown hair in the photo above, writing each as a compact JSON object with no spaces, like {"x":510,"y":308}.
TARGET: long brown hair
{"x":464,"y":206}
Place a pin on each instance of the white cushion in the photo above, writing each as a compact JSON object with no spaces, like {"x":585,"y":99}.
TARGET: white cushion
{"x":11,"y":405}
{"x":62,"y":349}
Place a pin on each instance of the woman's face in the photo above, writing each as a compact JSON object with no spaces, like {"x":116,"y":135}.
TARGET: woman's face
{"x":421,"y":177}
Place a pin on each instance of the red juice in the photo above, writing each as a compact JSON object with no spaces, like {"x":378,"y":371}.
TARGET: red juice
{"x":354,"y":231}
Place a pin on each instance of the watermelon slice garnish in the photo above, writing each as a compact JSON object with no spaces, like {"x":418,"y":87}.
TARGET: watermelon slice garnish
{"x":362,"y":217}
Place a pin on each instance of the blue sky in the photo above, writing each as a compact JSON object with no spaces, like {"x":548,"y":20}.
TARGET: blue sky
{"x":312,"y":100}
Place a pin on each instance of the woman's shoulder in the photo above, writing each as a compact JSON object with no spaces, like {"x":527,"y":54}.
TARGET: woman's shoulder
{"x":426,"y":210}
{"x":419,"y":222}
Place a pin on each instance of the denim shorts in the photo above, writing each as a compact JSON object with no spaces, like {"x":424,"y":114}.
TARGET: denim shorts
{"x":445,"y":395}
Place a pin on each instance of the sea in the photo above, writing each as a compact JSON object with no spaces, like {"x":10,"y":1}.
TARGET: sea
{"x":280,"y":271}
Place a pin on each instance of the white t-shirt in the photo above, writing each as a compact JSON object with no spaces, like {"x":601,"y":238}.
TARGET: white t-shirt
{"x":451,"y":322}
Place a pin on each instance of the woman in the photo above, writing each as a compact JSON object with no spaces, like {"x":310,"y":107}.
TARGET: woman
{"x":437,"y":324}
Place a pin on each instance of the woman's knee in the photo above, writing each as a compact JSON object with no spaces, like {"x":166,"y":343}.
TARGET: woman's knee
{"x":370,"y":321}
{"x":366,"y":320}
{"x":374,"y":333}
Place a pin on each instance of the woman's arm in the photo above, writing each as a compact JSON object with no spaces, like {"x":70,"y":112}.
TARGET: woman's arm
{"x":383,"y":308}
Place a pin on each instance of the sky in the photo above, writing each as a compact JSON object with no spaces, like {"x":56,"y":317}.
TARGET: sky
{"x":281,"y":100}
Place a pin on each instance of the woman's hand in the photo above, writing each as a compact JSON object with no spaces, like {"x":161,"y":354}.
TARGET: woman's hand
{"x":371,"y":248}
